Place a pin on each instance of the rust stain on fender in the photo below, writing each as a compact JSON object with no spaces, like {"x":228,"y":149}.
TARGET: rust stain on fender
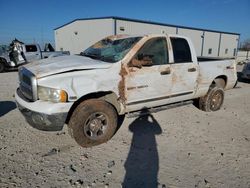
{"x":122,"y":84}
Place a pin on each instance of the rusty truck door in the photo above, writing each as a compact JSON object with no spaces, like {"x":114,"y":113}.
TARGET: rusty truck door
{"x":149,"y":78}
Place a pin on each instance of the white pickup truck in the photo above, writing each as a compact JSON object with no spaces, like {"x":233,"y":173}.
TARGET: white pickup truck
{"x":119,"y":75}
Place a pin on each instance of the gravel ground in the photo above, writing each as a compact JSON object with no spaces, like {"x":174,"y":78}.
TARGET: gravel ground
{"x":181,"y":147}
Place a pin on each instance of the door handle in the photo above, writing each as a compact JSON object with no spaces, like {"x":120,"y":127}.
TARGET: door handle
{"x":191,"y":69}
{"x":167,"y":71}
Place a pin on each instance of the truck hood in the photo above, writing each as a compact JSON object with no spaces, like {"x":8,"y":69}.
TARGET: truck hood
{"x":62,"y":64}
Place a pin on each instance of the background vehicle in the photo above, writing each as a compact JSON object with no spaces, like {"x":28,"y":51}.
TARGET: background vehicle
{"x":246,"y":71}
{"x":31,"y":52}
{"x":119,"y":75}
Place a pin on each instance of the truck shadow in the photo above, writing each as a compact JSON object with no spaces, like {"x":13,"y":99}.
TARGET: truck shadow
{"x":142,"y":163}
{"x":6,"y":107}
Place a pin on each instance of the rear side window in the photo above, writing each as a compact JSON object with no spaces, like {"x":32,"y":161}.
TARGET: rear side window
{"x":181,"y":50}
{"x":31,"y":48}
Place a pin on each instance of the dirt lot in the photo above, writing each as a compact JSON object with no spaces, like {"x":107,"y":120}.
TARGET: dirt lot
{"x":181,"y":147}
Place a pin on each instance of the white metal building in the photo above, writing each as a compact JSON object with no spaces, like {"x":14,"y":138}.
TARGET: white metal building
{"x":79,"y":34}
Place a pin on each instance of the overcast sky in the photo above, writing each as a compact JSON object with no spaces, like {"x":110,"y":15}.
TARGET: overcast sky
{"x":34,"y":21}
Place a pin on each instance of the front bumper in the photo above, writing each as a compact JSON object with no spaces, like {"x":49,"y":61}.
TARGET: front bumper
{"x":42,"y":120}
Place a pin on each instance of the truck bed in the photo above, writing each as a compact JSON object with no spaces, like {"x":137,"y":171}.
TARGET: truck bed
{"x":212,"y":68}
{"x":204,"y":58}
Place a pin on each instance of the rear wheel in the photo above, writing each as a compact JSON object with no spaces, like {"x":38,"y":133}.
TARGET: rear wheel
{"x":93,"y":122}
{"x":213,"y":100}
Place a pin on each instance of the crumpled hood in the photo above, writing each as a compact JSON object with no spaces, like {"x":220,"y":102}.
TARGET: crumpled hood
{"x":61,"y":64}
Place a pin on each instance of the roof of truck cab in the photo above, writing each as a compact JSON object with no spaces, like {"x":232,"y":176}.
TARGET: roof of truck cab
{"x":124,"y":36}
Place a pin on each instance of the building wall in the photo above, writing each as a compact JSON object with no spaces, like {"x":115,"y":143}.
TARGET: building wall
{"x":79,"y":35}
{"x":137,"y":28}
{"x":195,"y":36}
{"x":211,"y":44}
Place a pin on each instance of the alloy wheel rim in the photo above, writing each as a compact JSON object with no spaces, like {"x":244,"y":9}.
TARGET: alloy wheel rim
{"x":95,"y":126}
{"x":216,"y":101}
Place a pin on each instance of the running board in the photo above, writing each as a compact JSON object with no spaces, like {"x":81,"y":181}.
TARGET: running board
{"x":157,"y":109}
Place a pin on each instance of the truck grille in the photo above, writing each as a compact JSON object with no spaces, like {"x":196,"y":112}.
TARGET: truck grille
{"x":28,"y":84}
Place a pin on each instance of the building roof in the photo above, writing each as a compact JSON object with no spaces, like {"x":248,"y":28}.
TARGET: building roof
{"x":146,"y":22}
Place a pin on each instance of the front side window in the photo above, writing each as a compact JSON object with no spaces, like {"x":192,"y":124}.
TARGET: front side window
{"x":110,"y":49}
{"x":153,"y":52}
{"x":181,"y":50}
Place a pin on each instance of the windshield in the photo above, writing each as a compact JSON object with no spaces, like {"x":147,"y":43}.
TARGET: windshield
{"x":111,"y":50}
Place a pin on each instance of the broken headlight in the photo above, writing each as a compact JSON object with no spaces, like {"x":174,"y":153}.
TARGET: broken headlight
{"x":50,"y":94}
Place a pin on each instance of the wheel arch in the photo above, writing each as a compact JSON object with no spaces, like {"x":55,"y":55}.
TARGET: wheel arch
{"x":107,"y":96}
{"x":218,"y":81}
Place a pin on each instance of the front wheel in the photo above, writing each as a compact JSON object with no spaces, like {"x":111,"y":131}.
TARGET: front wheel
{"x":93,"y":122}
{"x":213,"y":100}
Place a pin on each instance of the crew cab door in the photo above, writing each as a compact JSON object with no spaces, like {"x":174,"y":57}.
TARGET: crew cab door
{"x":32,"y":52}
{"x":149,"y":77}
{"x":184,"y":69}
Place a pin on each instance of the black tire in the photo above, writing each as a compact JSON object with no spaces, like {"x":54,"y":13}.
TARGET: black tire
{"x":235,"y":85}
{"x":93,"y":122}
{"x":2,"y":67}
{"x":213,"y":100}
